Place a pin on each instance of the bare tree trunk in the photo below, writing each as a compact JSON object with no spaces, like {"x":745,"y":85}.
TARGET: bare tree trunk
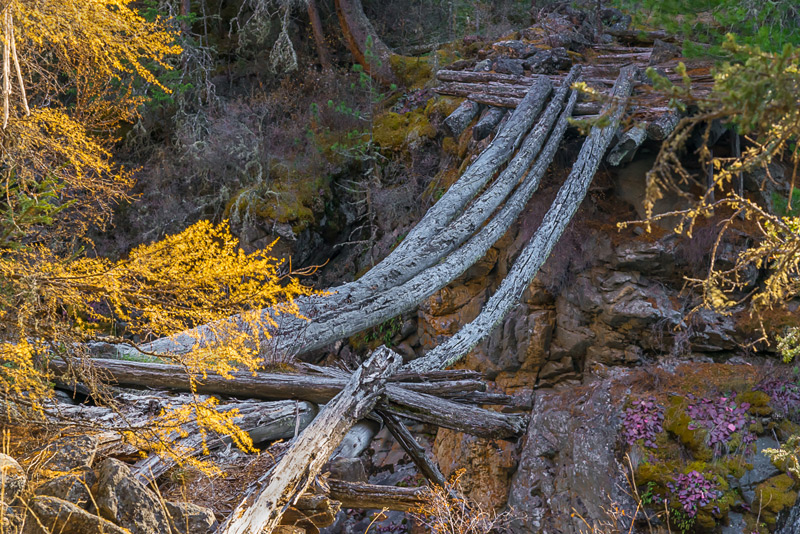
{"x":319,"y":35}
{"x":538,"y":249}
{"x":358,"y":32}
{"x":310,"y":451}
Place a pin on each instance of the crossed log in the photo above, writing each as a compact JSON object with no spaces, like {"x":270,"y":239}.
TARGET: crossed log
{"x":397,"y":284}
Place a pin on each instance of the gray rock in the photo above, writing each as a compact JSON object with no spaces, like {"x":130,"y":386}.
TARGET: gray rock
{"x":567,"y":461}
{"x":66,"y":454}
{"x":663,"y":51}
{"x":188,"y":518}
{"x":10,"y":519}
{"x":57,"y":515}
{"x":736,"y":524}
{"x":506,"y":65}
{"x":12,"y":478}
{"x":72,"y":487}
{"x":515,"y":48}
{"x":127,"y":502}
{"x":762,"y":468}
{"x":549,"y":61}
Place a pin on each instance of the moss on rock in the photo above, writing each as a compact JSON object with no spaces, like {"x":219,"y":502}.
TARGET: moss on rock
{"x":773,"y":496}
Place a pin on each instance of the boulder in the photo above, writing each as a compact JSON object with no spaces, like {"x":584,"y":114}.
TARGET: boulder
{"x":66,"y":454}
{"x":762,"y":468}
{"x":57,"y":515}
{"x":506,"y":65}
{"x":12,"y":478}
{"x":72,"y":487}
{"x":663,"y":51}
{"x":549,"y":61}
{"x":10,"y":519}
{"x":188,"y":518}
{"x":127,"y":502}
{"x":567,"y":463}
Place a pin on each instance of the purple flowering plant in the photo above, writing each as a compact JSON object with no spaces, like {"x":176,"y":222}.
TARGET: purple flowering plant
{"x":643,"y":421}
{"x":721,"y":417}
{"x":693,"y":491}
{"x":784,"y":395}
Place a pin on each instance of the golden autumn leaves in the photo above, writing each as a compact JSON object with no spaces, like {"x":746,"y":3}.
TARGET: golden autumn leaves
{"x":83,"y":68}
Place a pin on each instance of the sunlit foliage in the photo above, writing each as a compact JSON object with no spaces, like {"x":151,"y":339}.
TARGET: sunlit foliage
{"x":84,"y":66}
{"x":79,"y":61}
{"x":759,"y":98}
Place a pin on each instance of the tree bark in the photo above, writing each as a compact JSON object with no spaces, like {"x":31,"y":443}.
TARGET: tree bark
{"x":661,"y":128}
{"x":310,"y":451}
{"x":538,"y":249}
{"x":357,"y":30}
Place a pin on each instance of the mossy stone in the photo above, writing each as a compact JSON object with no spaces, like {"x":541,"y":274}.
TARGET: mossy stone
{"x":677,"y":421}
{"x":773,"y":496}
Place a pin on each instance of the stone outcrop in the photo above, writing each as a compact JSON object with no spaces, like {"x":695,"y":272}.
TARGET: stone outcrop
{"x":12,"y":479}
{"x":126,"y":501}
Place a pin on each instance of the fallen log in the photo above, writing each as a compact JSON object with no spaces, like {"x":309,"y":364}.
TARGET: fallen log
{"x":263,"y":421}
{"x":486,"y":125}
{"x":304,"y":459}
{"x":661,"y":128}
{"x":372,"y":496}
{"x":629,"y":142}
{"x":417,"y":453}
{"x":538,"y":248}
{"x":317,"y":389}
{"x":460,"y":118}
{"x":296,"y":336}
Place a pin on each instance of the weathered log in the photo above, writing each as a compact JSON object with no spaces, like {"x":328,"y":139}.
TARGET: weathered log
{"x":264,"y":421}
{"x":538,"y":248}
{"x":372,"y":496}
{"x":417,"y":453}
{"x":661,"y":128}
{"x":486,"y":125}
{"x":317,"y":389}
{"x":304,"y":459}
{"x":468,"y":76}
{"x":460,"y":118}
{"x":629,"y":142}
{"x":455,"y":416}
{"x":495,"y":89}
{"x":297,"y":336}
{"x":357,"y":439}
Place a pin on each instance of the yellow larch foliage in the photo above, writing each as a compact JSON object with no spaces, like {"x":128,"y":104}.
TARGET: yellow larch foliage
{"x":84,"y":65}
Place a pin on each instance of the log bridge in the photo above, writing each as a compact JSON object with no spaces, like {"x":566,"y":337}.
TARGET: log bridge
{"x":328,"y":413}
